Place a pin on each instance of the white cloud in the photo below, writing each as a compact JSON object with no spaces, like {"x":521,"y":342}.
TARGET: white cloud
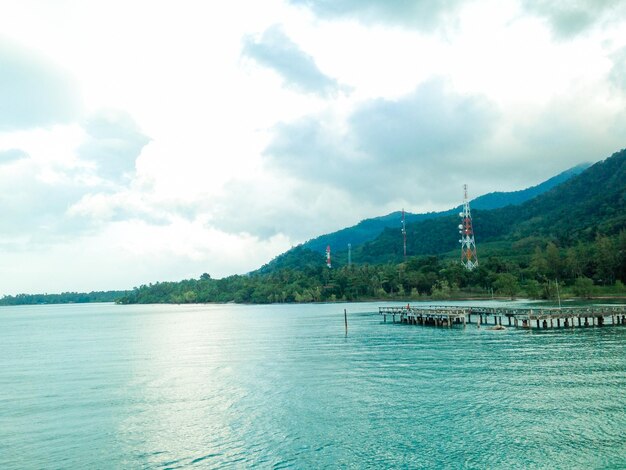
{"x":33,"y":91}
{"x":114,"y":142}
{"x":276,"y":50}
{"x":568,"y":18}
{"x":11,"y":155}
{"x":402,"y":140}
{"x":169,"y":139}
{"x":130,"y":253}
{"x":422,"y":15}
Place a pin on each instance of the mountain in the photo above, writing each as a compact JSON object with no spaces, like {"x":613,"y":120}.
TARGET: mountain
{"x":574,"y":232}
{"x":369,"y":229}
{"x":588,"y":204}
{"x":499,"y":199}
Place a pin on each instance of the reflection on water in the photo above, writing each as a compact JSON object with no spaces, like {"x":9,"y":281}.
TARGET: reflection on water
{"x":279,"y":386}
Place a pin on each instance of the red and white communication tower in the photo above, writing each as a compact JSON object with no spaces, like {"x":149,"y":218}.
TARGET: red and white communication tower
{"x":328,"y":256}
{"x":468,"y":244}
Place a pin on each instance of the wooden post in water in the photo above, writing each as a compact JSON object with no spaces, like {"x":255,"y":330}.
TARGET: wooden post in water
{"x":345,"y":319}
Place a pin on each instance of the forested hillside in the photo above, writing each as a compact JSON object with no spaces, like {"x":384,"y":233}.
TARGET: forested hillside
{"x":500,"y":199}
{"x":589,"y":204}
{"x":369,"y":229}
{"x":64,"y":298}
{"x":573,"y":236}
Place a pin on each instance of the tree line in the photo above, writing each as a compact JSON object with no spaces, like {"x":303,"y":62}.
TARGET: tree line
{"x":63,"y":298}
{"x":582,"y":270}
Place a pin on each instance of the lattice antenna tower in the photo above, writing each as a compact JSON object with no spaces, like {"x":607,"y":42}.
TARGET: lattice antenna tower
{"x":469,"y":259}
{"x":328,"y":257}
{"x":404,"y":233}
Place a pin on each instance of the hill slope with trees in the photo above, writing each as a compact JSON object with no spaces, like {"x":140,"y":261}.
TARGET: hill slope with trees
{"x":369,"y":229}
{"x":589,"y":204}
{"x":572,"y":236}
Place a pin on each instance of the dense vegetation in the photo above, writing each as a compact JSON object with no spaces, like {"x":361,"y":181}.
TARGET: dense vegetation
{"x":64,"y":298}
{"x":499,"y":199}
{"x":569,"y":241}
{"x":368,"y":229}
{"x":580,"y":209}
{"x":582,"y":270}
{"x":572,"y":236}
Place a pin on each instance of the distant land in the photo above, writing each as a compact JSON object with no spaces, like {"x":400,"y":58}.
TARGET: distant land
{"x":64,"y":298}
{"x":369,"y":229}
{"x":570,"y":238}
{"x":566,"y":235}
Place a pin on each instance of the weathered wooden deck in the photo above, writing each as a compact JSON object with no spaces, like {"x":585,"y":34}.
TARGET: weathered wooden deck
{"x":542,"y":317}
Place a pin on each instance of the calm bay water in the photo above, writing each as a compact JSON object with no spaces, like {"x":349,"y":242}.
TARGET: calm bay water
{"x":228,"y":386}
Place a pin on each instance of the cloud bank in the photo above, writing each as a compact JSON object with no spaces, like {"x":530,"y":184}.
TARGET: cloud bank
{"x":222,"y":143}
{"x":275,"y":50}
{"x":420,"y":14}
{"x":569,"y":18}
{"x":114,"y":143}
{"x":396,"y":141}
{"x":33,"y":91}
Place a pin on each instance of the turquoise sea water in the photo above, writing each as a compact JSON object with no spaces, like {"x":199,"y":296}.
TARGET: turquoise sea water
{"x":229,"y":386}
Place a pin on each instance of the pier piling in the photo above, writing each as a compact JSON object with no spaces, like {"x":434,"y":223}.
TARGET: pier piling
{"x":540,"y":318}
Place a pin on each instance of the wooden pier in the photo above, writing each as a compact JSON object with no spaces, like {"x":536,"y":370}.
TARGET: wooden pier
{"x":530,"y":317}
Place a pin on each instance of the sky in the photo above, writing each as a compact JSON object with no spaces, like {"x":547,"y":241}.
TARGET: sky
{"x":145,"y":141}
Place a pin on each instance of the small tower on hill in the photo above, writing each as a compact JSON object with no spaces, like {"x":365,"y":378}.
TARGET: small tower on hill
{"x":404,"y":233}
{"x":469,"y":259}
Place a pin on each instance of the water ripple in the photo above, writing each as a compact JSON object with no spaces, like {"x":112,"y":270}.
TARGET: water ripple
{"x":284,"y":387}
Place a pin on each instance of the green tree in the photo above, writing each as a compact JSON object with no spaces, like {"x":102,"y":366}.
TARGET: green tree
{"x":606,"y":257}
{"x":533,"y":289}
{"x":441,"y":290}
{"x":506,"y":283}
{"x":583,"y":287}
{"x":620,"y":248}
{"x":553,"y":261}
{"x":539,"y":264}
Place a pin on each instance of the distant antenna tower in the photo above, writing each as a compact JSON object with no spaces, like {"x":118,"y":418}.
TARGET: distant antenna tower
{"x":468,"y":245}
{"x":349,"y":254}
{"x":404,"y":233}
{"x":328,"y":256}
